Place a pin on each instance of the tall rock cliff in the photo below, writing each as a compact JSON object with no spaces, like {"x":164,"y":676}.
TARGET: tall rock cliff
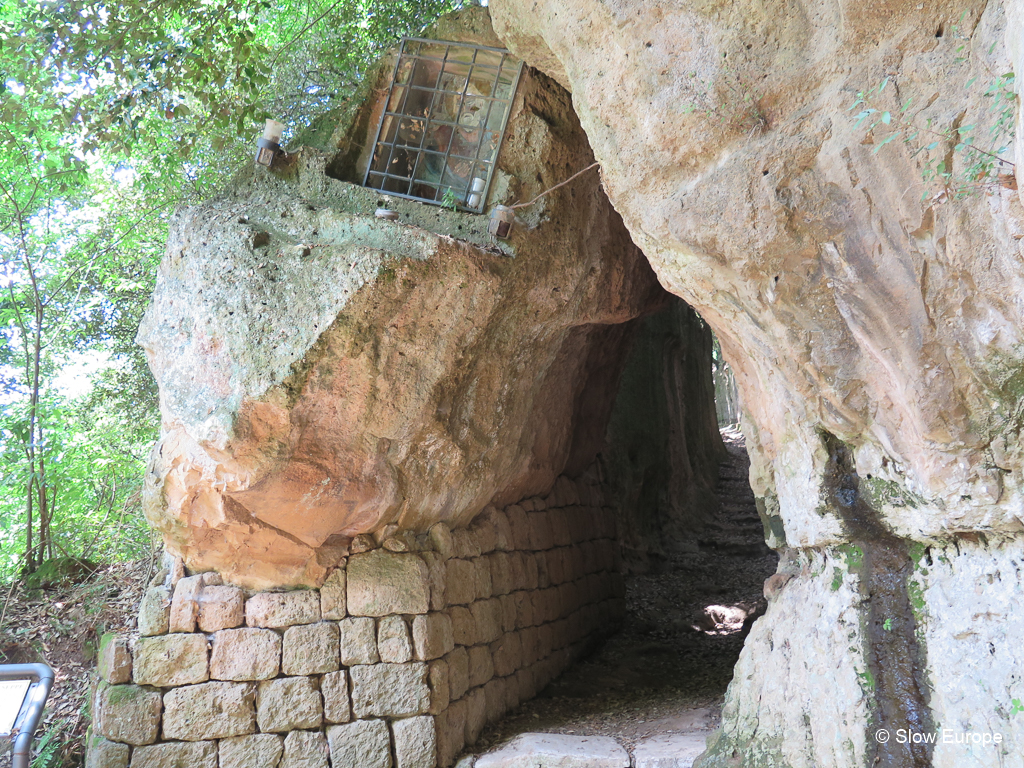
{"x":866,"y":282}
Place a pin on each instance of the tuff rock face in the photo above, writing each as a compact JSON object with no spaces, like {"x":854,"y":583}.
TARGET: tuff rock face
{"x":874,"y":321}
{"x":325,"y":374}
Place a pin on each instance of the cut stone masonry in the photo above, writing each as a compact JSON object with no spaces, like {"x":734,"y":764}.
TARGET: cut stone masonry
{"x":399,"y":660}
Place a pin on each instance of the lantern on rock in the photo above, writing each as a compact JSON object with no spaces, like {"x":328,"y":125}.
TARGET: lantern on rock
{"x":268,"y":146}
{"x":500,"y":224}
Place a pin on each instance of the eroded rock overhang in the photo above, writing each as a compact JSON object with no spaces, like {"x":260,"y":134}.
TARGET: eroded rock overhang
{"x":325,"y":374}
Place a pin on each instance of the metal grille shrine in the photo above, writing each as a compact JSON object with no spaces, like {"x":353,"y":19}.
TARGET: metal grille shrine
{"x":444,"y":122}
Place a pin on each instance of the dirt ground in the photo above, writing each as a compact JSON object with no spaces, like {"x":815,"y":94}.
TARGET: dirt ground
{"x":667,"y":670}
{"x":62,"y":626}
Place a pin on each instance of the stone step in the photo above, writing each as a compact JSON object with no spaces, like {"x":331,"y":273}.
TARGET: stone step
{"x":670,"y":750}
{"x":554,"y":750}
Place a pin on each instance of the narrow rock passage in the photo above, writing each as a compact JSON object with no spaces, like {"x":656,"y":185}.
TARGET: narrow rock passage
{"x":667,"y":670}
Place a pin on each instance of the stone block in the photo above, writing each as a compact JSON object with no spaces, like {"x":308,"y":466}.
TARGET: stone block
{"x":466,"y":545}
{"x":333,"y":596}
{"x":494,"y":696}
{"x":126,"y":713}
{"x":524,"y":609}
{"x":288,"y":704}
{"x":463,"y":625}
{"x":415,"y":742}
{"x":487,"y":618}
{"x":557,"y":751}
{"x":220,"y":607}
{"x":483,"y":577}
{"x":512,"y":692}
{"x":461,"y":582}
{"x":520,"y":526}
{"x":103,"y":753}
{"x":437,"y":572}
{"x":589,"y":551}
{"x":171,"y":660}
{"x":543,"y":573}
{"x":531,"y":578}
{"x":569,"y":495}
{"x":433,"y":636}
{"x":358,"y":641}
{"x":517,"y":566}
{"x":337,"y":704}
{"x":389,"y":690}
{"x":305,"y":749}
{"x":202,"y":754}
{"x":529,"y":686}
{"x":481,"y":665}
{"x":482,"y":529}
{"x":561,"y":533}
{"x":571,"y":597}
{"x":509,"y":614}
{"x":501,"y":573}
{"x":282,"y":609}
{"x":574,"y":564}
{"x":530,"y":640}
{"x":247,"y":653}
{"x":547,"y":639}
{"x":310,"y":649}
{"x":550,"y":604}
{"x":209,"y":711}
{"x":114,"y":660}
{"x":437,"y":680}
{"x":450,"y":727}
{"x":155,"y":612}
{"x":393,"y":642}
{"x":670,"y":750}
{"x":458,"y":672}
{"x":504,"y":540}
{"x":476,"y":714}
{"x":174,"y":567}
{"x":507,"y":653}
{"x":382,"y":583}
{"x":540,"y":531}
{"x":258,"y":750}
{"x":185,"y":604}
{"x":556,"y":565}
{"x":362,"y":744}
{"x":441,"y":539}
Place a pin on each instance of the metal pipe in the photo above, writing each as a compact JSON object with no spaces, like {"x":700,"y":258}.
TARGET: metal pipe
{"x":35,"y":700}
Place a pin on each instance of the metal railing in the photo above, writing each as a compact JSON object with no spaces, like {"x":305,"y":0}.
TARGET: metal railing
{"x":40,"y":678}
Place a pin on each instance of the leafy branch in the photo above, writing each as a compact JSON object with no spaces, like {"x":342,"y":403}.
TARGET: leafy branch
{"x":984,"y":168}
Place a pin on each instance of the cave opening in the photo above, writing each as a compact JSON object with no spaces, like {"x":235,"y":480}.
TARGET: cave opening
{"x":694,"y":559}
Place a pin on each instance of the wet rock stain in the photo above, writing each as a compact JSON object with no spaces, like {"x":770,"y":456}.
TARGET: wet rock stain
{"x":896,"y":659}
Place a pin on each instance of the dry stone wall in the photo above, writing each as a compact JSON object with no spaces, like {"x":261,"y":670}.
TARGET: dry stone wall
{"x":399,"y":660}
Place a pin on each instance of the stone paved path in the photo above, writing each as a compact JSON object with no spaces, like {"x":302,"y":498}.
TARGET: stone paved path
{"x":667,"y":671}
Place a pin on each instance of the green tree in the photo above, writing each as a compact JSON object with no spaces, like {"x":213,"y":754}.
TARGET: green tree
{"x":112,"y":114}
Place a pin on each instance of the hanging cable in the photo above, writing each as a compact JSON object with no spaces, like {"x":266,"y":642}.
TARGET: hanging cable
{"x":560,"y":184}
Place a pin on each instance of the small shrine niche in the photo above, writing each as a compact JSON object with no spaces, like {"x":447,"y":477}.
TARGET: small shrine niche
{"x":444,"y":122}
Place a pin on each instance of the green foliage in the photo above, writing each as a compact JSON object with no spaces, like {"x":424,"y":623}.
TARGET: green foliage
{"x":110,"y":116}
{"x":729,"y":100}
{"x":47,"y":748}
{"x":837,"y":579}
{"x":450,"y":200}
{"x":960,"y":158}
{"x":867,"y":680}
